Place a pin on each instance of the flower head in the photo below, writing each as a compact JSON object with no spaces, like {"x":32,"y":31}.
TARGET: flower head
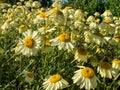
{"x":105,"y":69}
{"x":55,"y":82}
{"x":30,"y":44}
{"x":29,"y":76}
{"x":81,"y":54}
{"x":116,"y":64}
{"x":107,"y":13}
{"x":64,"y":38}
{"x":63,"y":42}
{"x":85,"y":77}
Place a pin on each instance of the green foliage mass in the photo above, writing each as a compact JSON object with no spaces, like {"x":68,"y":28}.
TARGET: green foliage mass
{"x":88,"y":5}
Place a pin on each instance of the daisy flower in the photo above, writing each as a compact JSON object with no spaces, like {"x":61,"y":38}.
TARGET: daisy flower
{"x":79,"y":24}
{"x":46,"y":29}
{"x":67,"y":11}
{"x":90,"y":19}
{"x":22,"y":28}
{"x":107,"y":27}
{"x":116,"y":64}
{"x":88,"y":36}
{"x":7,"y":24}
{"x":99,"y":38}
{"x":29,"y":76}
{"x":40,"y":18}
{"x":96,"y":14}
{"x":30,"y":44}
{"x":85,"y":77}
{"x":107,"y":13}
{"x":105,"y":70}
{"x":79,"y":14}
{"x":57,"y":4}
{"x":55,"y":82}
{"x":56,"y":16}
{"x":81,"y":54}
{"x":93,"y":25}
{"x":117,"y":30}
{"x":105,"y":24}
{"x":36,"y":4}
{"x":63,"y":42}
{"x":116,"y":39}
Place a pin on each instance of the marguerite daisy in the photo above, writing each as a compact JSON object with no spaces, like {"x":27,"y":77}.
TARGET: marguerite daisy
{"x":55,"y":82}
{"x":105,"y":70}
{"x":30,"y":44}
{"x":116,"y":64}
{"x":85,"y":77}
{"x":81,"y":54}
{"x":29,"y":76}
{"x":63,"y":42}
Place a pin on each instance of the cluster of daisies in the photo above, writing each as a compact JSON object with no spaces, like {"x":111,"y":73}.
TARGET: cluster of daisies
{"x":87,"y":37}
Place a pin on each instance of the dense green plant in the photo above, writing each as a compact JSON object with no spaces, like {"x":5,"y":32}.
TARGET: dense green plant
{"x":114,"y":6}
{"x":10,"y":1}
{"x":88,"y":5}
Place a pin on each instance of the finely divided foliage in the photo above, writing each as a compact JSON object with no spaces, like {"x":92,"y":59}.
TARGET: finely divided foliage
{"x":58,"y":48}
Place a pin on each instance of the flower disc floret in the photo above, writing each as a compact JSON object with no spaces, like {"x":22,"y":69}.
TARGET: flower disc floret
{"x":68,"y":7}
{"x":30,"y":74}
{"x":82,"y":51}
{"x":47,"y":28}
{"x":116,"y":61}
{"x":55,"y":78}
{"x":87,"y":72}
{"x":29,"y":42}
{"x":117,"y":38}
{"x":47,"y":45}
{"x":107,"y":11}
{"x":42,"y":14}
{"x":21,"y":26}
{"x":57,"y":11}
{"x":88,"y":36}
{"x":105,"y":65}
{"x":8,"y":20}
{"x":64,"y":38}
{"x":107,"y":21}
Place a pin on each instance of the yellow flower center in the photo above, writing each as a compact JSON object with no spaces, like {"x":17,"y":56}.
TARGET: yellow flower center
{"x":82,"y":51}
{"x":42,"y":14}
{"x":64,"y":38}
{"x":80,"y":11}
{"x":8,"y":20}
{"x":55,"y":78}
{"x":105,"y":65}
{"x":47,"y":45}
{"x":117,"y":38}
{"x":107,"y":11}
{"x":107,"y":21}
{"x":116,"y":61}
{"x":30,"y":74}
{"x":21,"y":26}
{"x":57,"y":11}
{"x":57,"y":0}
{"x":47,"y":28}
{"x":11,"y":14}
{"x":46,"y":37}
{"x":88,"y":36}
{"x":68,"y":7}
{"x":99,"y":35}
{"x":29,"y":42}
{"x":87,"y":72}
